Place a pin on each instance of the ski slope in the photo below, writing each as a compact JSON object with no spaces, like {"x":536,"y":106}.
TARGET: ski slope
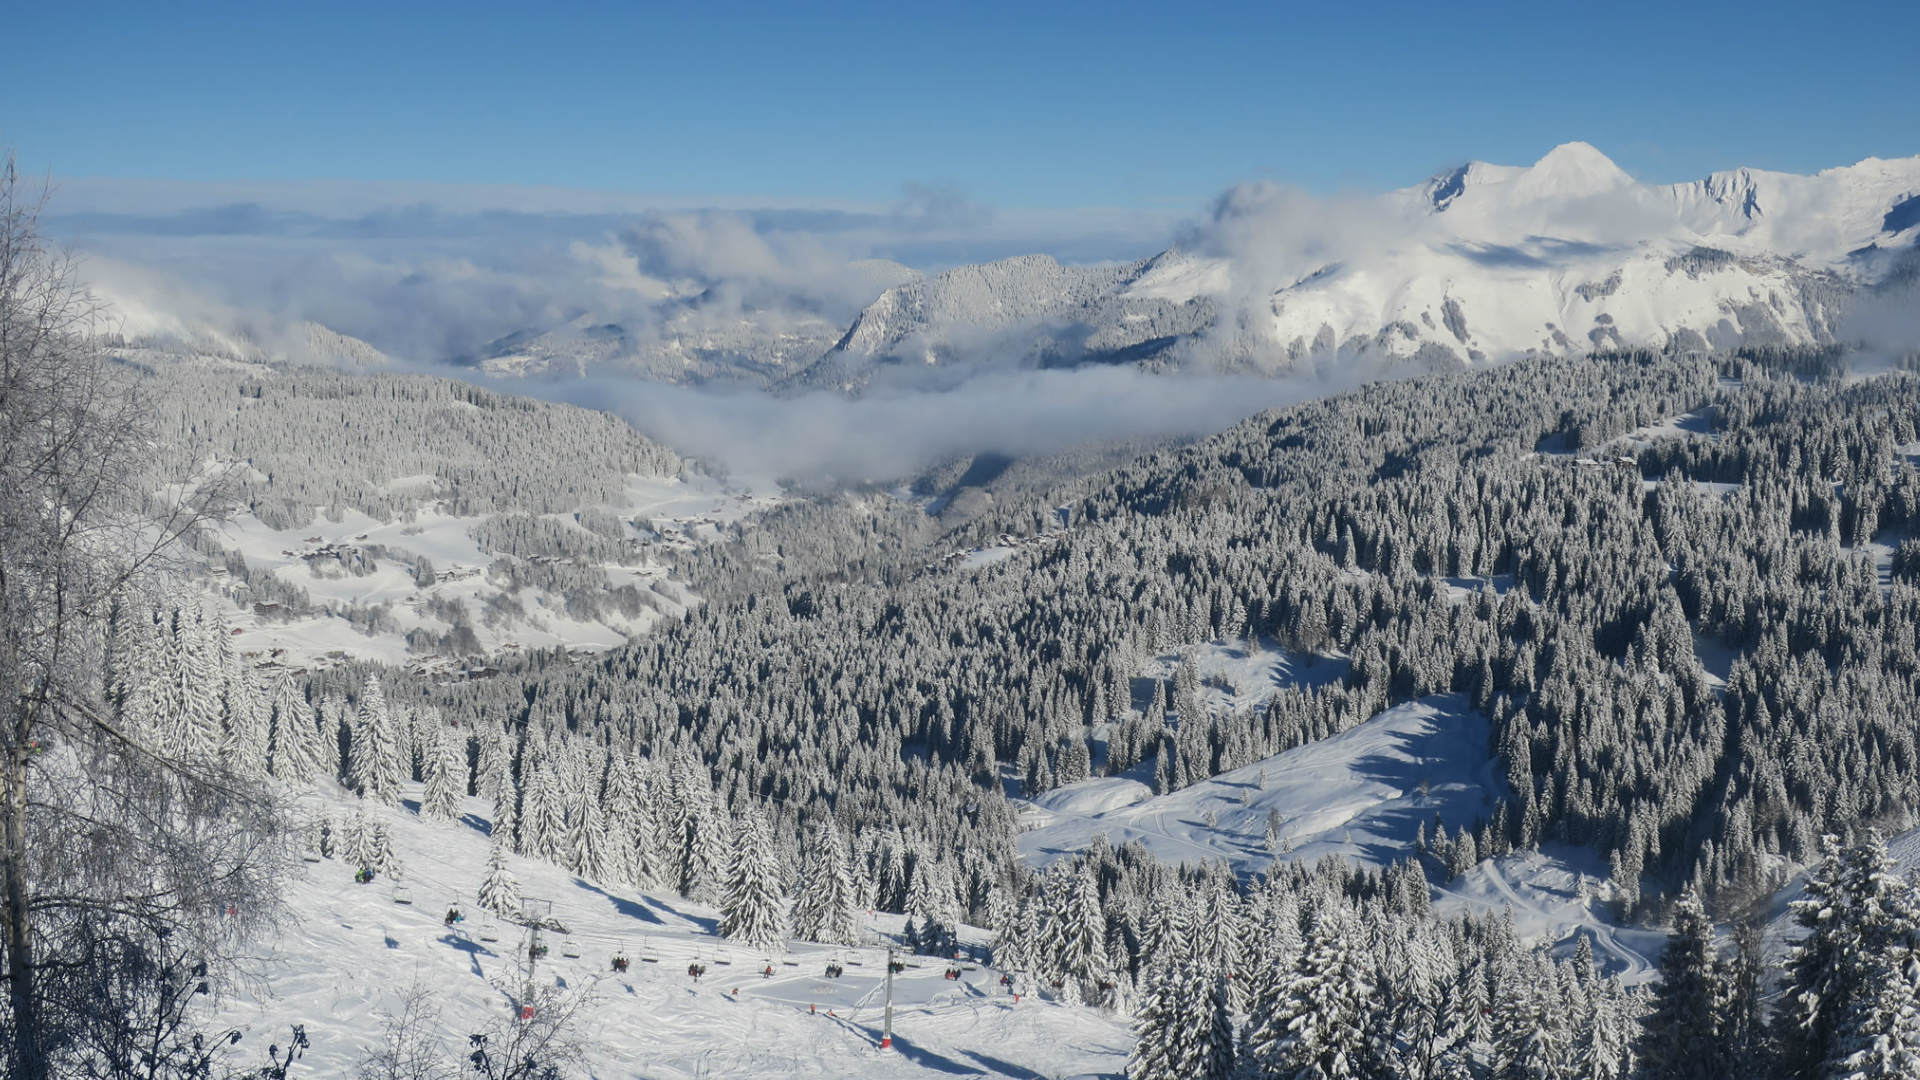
{"x":1361,"y":794}
{"x":351,"y":953}
{"x":1556,"y":896}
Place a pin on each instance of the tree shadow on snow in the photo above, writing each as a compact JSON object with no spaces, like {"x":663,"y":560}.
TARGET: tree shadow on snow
{"x":1000,"y":1067}
{"x":644,"y":912}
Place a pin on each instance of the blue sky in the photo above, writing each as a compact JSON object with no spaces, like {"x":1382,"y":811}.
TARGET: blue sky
{"x":1149,"y":106}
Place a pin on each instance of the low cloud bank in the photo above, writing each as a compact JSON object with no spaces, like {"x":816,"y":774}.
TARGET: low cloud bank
{"x":435,"y":274}
{"x":891,"y":435}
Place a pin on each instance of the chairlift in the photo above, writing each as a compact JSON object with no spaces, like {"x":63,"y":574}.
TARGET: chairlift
{"x":489,"y":931}
{"x":620,"y":962}
{"x":310,"y":856}
{"x":568,"y":949}
{"x":402,"y":895}
{"x":723,"y":957}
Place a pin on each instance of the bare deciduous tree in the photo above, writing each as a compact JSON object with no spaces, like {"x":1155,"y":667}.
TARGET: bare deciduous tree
{"x":541,"y":1041}
{"x":109,"y":845}
{"x":412,"y":1046}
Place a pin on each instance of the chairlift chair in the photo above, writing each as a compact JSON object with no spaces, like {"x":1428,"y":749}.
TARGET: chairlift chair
{"x":402,"y":894}
{"x":568,"y":949}
{"x":723,"y":956}
{"x":489,"y":932}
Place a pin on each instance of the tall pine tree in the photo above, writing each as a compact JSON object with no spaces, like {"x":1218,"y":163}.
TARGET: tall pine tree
{"x":753,"y":908}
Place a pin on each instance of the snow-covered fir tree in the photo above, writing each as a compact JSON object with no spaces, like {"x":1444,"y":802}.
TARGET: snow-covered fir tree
{"x":374,"y":758}
{"x":1166,"y":1025}
{"x":506,"y":813}
{"x":1678,"y":1039}
{"x":697,"y":840}
{"x":1834,"y":973}
{"x":335,"y":719}
{"x":543,"y":821}
{"x":296,"y":752}
{"x":753,"y":907}
{"x":380,"y":856}
{"x":356,"y":840}
{"x":931,"y":907}
{"x":588,"y":843}
{"x":1318,"y":1024}
{"x":630,"y":842}
{"x":499,"y":889}
{"x":443,"y":772}
{"x":1073,"y":941}
{"x":826,"y":908}
{"x":245,"y":718}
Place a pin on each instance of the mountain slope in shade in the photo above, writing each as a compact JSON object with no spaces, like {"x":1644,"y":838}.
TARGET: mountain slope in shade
{"x":1484,"y":262}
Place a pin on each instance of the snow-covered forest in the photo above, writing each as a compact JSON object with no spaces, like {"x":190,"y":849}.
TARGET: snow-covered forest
{"x":1200,"y":766}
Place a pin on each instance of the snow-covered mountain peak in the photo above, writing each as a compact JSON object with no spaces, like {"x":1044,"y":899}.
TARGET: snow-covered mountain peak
{"x":1571,"y":170}
{"x":1738,"y":190}
{"x":1481,"y":262}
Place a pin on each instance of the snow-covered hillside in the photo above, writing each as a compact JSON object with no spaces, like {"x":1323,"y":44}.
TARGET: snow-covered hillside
{"x":1484,"y":262}
{"x":353,"y":951}
{"x":410,"y":520}
{"x":1362,"y":793}
{"x":466,"y":589}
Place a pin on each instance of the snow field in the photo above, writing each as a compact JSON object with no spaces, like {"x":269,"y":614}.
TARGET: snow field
{"x":1362,"y":795}
{"x":351,"y":953}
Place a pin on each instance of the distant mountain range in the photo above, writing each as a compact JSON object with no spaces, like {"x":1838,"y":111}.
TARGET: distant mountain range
{"x":1484,"y":262}
{"x":1479,"y":263}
